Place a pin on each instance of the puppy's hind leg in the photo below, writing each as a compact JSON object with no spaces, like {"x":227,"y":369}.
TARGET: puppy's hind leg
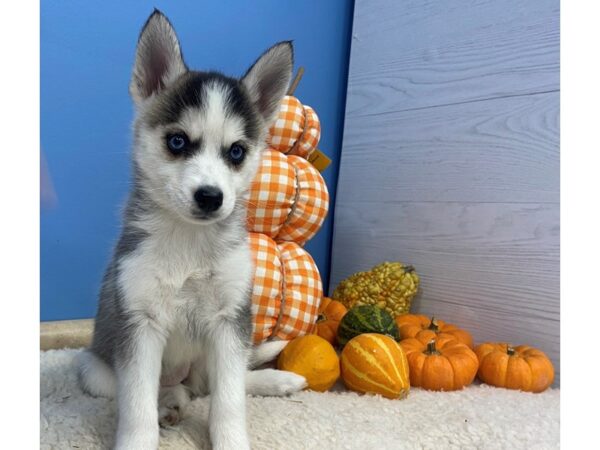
{"x":273,"y":383}
{"x":172,"y":401}
{"x":96,"y":377}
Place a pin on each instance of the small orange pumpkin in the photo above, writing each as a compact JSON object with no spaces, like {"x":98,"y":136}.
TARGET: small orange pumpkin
{"x":312,"y":357}
{"x":328,"y":320}
{"x":442,"y":364}
{"x":418,"y":325}
{"x":521,"y":367}
{"x":375,"y":364}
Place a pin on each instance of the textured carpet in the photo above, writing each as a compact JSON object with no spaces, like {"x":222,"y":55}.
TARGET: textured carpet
{"x":478,"y":417}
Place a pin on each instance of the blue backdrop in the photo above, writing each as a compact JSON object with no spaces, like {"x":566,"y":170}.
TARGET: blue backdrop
{"x":87,"y":51}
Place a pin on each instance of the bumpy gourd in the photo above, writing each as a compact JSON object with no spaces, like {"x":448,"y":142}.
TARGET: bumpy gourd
{"x":390,"y":286}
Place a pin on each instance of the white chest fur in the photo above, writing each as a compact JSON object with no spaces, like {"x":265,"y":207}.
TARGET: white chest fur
{"x":184,"y":277}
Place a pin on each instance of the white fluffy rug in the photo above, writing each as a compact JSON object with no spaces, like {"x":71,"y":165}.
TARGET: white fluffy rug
{"x":479,"y":417}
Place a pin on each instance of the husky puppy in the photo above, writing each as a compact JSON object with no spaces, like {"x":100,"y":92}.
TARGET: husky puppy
{"x":175,"y":299}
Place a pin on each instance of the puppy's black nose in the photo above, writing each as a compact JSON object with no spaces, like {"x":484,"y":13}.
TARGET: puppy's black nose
{"x":208,"y":198}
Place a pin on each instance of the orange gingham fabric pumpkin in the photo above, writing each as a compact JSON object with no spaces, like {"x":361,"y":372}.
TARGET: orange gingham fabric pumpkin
{"x":286,"y":292}
{"x":297,"y":129}
{"x":288,"y":199}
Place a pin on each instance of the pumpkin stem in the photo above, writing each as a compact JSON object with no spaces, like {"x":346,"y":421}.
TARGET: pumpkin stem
{"x":433,"y":326}
{"x":321,"y":317}
{"x":510,"y":350}
{"x":409,"y":269}
{"x":431,"y":350}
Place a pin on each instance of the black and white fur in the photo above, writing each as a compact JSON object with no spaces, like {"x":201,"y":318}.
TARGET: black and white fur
{"x":177,"y":291}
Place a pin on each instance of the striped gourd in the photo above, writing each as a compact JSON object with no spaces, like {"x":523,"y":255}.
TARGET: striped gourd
{"x":375,"y":364}
{"x":366,"y":319}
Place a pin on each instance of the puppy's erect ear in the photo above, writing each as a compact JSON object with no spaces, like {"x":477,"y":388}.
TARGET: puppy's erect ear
{"x":269,"y":77}
{"x":158,"y":59}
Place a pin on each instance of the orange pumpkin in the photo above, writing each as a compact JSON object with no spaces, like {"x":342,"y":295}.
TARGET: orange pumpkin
{"x":443,"y":364}
{"x":418,"y":325}
{"x":328,"y":320}
{"x":375,"y":364}
{"x":521,"y":367}
{"x":312,"y":357}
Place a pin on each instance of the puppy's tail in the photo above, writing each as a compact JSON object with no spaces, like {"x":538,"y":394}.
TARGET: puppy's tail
{"x":96,"y":377}
{"x":266,"y":352}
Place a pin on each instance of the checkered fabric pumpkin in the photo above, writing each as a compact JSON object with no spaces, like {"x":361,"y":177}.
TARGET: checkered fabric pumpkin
{"x":287,"y":204}
{"x":297,"y":129}
{"x":286,"y":292}
{"x":288,"y":200}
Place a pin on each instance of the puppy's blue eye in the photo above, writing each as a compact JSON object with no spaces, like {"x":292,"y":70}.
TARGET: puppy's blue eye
{"x":176,"y":143}
{"x":237,"y":153}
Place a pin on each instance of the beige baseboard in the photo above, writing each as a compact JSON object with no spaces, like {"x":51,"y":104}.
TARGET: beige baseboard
{"x":66,"y":334}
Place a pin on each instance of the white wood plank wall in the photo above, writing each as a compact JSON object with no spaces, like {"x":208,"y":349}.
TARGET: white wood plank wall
{"x":450,"y":160}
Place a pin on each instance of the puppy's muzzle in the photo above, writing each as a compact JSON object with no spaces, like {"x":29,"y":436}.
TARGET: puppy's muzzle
{"x":208,"y":198}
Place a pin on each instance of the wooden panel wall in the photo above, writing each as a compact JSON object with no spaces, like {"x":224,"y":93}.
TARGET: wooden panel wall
{"x":450,"y":160}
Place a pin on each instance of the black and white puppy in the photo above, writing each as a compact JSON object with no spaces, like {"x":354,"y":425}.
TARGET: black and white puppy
{"x":175,"y":299}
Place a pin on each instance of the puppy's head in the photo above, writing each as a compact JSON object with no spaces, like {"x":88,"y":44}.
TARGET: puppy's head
{"x":199,"y":135}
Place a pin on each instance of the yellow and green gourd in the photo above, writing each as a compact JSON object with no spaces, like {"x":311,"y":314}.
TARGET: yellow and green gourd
{"x":389,"y":285}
